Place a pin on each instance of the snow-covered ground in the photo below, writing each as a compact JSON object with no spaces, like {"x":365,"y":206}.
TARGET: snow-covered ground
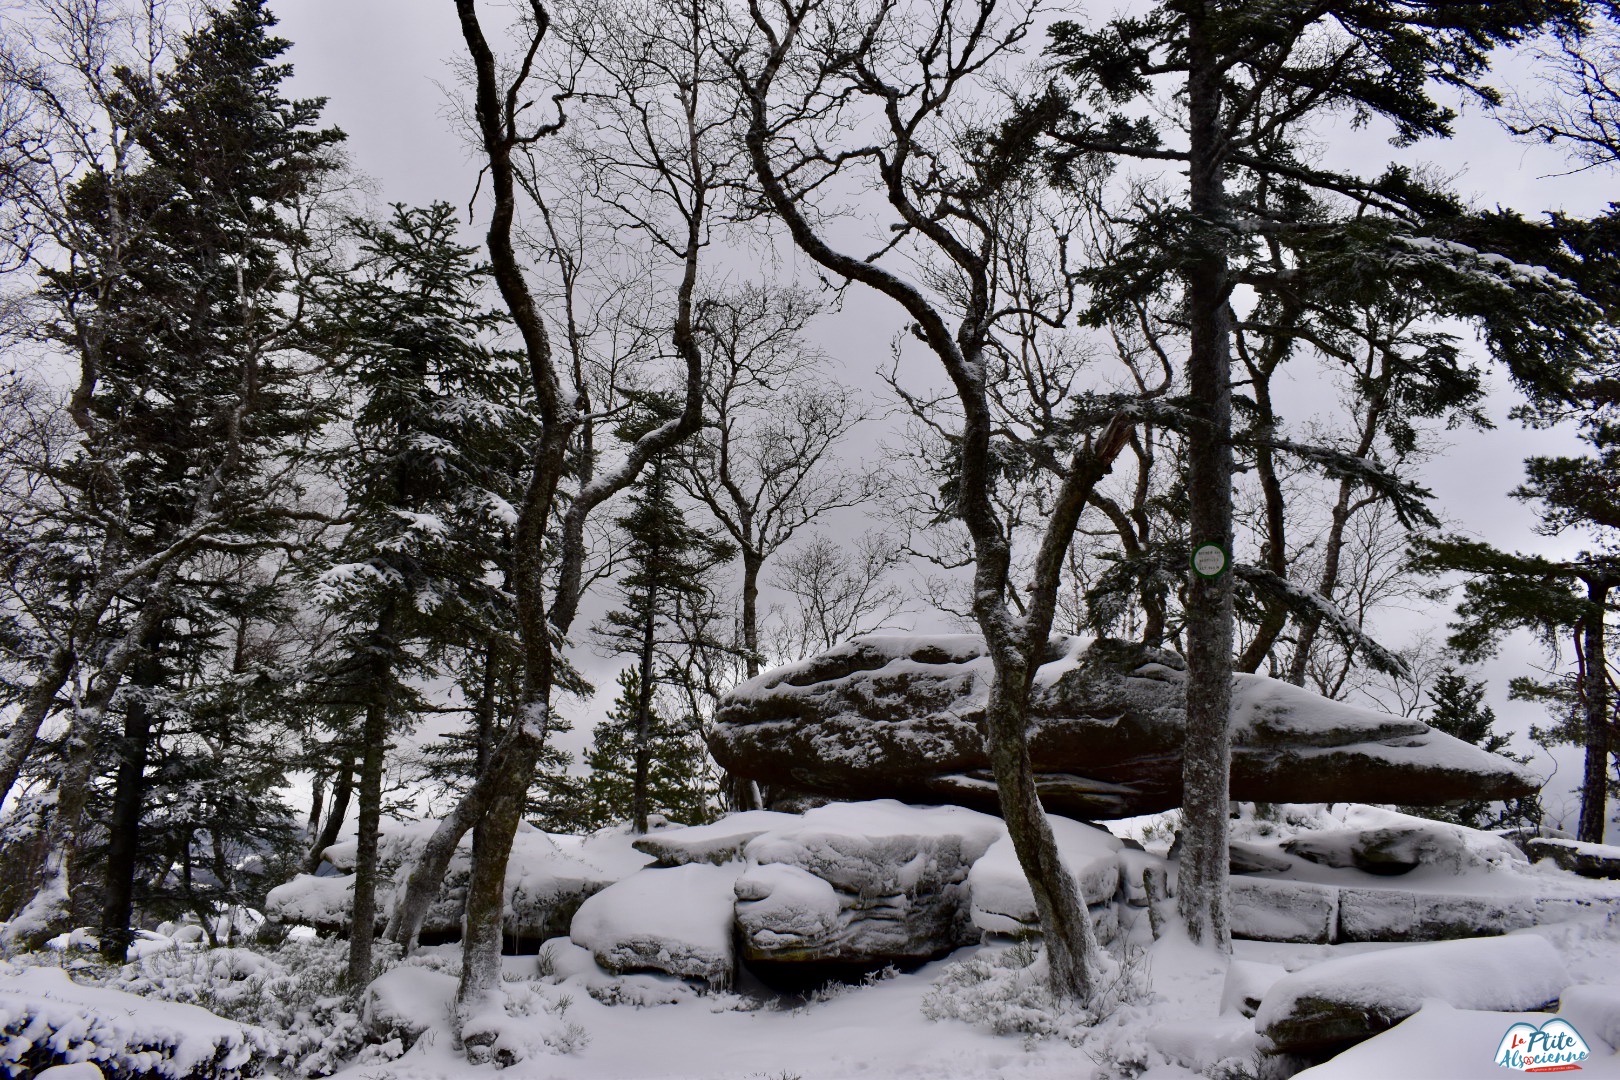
{"x":1171,"y":1010}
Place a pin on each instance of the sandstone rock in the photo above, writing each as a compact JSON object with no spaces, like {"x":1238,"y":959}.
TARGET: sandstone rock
{"x":1401,"y":849}
{"x":1398,"y":915}
{"x":405,"y":1001}
{"x":861,"y":885}
{"x":1001,"y":898}
{"x":545,"y":884}
{"x":1587,"y":860}
{"x":1342,"y":1001}
{"x":1266,"y":909}
{"x":720,"y":842}
{"x":1252,"y":859}
{"x":675,"y":920}
{"x":899,"y":716}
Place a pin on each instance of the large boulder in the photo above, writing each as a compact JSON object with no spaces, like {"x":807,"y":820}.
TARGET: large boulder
{"x":674,"y":920}
{"x":900,"y":716}
{"x":1339,"y":1002}
{"x":851,"y":886}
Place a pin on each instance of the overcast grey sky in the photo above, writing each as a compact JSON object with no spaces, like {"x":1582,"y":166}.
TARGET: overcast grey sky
{"x":384,"y":65}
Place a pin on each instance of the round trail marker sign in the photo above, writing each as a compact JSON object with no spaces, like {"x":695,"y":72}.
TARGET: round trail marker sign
{"x":1209,"y":560}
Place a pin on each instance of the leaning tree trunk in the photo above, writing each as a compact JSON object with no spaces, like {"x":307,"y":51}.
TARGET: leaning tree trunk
{"x":1206,"y":764}
{"x":640,"y":797}
{"x":1595,"y":708}
{"x":1071,"y":942}
{"x":342,"y":793}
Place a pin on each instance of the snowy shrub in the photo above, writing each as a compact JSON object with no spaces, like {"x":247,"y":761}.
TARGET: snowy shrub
{"x":521,"y":1021}
{"x":1006,"y":991}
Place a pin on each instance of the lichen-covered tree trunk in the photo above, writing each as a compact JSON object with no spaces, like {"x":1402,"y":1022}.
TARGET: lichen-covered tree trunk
{"x":1206,"y":765}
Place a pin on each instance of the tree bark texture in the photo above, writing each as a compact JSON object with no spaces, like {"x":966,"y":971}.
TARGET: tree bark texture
{"x":124,"y":829}
{"x":363,"y":928}
{"x":1202,"y":890}
{"x":1594,"y":818}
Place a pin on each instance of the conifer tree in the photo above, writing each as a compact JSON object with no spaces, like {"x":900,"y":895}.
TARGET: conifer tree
{"x":668,"y":560}
{"x":172,"y":297}
{"x":674,"y":765}
{"x":430,"y":473}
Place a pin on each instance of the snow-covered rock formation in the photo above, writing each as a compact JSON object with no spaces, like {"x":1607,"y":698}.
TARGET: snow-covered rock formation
{"x":899,"y":717}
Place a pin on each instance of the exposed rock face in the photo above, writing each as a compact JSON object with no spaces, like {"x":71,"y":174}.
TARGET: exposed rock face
{"x":1002,"y":900}
{"x":900,"y":717}
{"x":861,"y":886}
{"x":545,"y":884}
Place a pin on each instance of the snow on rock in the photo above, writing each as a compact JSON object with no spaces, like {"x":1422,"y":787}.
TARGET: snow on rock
{"x":547,"y":878}
{"x":1375,"y":914}
{"x":901,"y":716}
{"x":83,"y":1070}
{"x":1350,"y":998}
{"x":1002,"y":901}
{"x":405,"y":1001}
{"x":47,"y":1019}
{"x":782,"y":909}
{"x":1441,"y":1042}
{"x":1246,"y":984}
{"x":1401,"y":848}
{"x":898,"y":874}
{"x":1588,"y":860}
{"x":719,"y":842}
{"x":676,"y":920}
{"x":321,"y":902}
{"x":1267,"y":909}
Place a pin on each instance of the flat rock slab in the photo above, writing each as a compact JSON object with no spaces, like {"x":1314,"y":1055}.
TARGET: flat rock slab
{"x":900,"y":716}
{"x":719,"y":842}
{"x":1346,"y":1000}
{"x":1402,"y":849}
{"x":1267,"y":909}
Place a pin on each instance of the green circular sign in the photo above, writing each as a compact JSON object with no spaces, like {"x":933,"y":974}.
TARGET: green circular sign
{"x":1210,"y":560}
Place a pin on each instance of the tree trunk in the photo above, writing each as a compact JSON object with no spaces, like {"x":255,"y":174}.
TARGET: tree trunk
{"x":363,"y":925}
{"x":752,"y":561}
{"x":1206,"y":765}
{"x":1071,"y":943}
{"x":123,"y":842}
{"x":342,"y":792}
{"x":36,"y":706}
{"x":129,"y":803}
{"x":639,"y":796}
{"x":1595,"y":708}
